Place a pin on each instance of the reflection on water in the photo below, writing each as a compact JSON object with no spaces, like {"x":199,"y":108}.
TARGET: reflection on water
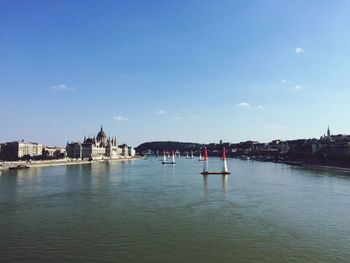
{"x":224,"y":184}
{"x":145,"y":212}
{"x":206,"y":192}
{"x":224,"y":179}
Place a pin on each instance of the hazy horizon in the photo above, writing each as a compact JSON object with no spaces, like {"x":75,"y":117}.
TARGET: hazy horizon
{"x":194,"y":71}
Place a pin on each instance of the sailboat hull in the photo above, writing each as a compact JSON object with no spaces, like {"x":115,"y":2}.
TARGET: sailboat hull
{"x":223,"y":173}
{"x":168,"y":163}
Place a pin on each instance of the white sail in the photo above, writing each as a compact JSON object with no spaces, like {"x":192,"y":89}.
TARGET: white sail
{"x":205,"y":166}
{"x":224,"y":166}
{"x":173,"y":158}
{"x":224,"y":163}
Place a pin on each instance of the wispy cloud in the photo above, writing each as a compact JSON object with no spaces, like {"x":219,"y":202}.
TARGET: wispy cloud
{"x":178,"y":118}
{"x":246,"y":105}
{"x":291,"y":85}
{"x":298,"y":88}
{"x":194,"y":117}
{"x":62,"y":87}
{"x":243,"y":105}
{"x":284,"y":81}
{"x":160,"y":112}
{"x":120,"y":118}
{"x":299,"y":50}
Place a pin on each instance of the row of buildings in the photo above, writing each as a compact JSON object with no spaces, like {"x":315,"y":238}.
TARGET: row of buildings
{"x":326,"y":145}
{"x":19,"y":150}
{"x":333,"y":150}
{"x":91,"y":148}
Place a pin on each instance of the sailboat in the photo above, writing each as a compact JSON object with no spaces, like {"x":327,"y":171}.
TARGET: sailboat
{"x":189,"y":157}
{"x":200,"y":156}
{"x":172,"y":159}
{"x":164,"y":157}
{"x":224,"y":170}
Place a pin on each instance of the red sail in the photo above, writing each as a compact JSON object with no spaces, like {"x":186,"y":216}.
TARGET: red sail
{"x":205,"y":153}
{"x":223,"y":153}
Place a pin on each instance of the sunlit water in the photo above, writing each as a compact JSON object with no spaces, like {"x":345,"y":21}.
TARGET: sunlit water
{"x":141,"y":211}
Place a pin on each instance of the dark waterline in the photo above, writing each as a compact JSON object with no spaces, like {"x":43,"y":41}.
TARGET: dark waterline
{"x":141,"y":211}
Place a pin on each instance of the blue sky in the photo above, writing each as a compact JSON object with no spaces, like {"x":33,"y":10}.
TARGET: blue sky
{"x":173,"y":70}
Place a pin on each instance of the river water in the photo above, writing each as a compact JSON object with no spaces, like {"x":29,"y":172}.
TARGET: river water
{"x":141,"y":211}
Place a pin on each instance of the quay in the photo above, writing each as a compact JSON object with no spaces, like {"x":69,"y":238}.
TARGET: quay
{"x":44,"y":163}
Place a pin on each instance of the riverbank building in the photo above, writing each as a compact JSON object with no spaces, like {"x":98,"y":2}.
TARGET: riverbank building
{"x":96,"y":147}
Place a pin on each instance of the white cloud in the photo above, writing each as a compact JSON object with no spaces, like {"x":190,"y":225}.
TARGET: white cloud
{"x":243,"y":105}
{"x":120,"y":118}
{"x":283,"y":81}
{"x":62,"y":87}
{"x":160,"y":112}
{"x":246,"y":105}
{"x":299,"y":50}
{"x":178,"y":118}
{"x":298,"y":87}
{"x":194,"y":117}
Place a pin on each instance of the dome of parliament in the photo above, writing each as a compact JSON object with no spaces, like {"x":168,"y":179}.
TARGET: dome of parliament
{"x":101,"y":136}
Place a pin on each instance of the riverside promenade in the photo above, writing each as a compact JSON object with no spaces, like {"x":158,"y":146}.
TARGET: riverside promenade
{"x":45,"y":163}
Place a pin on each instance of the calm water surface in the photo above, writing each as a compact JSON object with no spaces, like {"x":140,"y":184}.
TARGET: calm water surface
{"x":140,"y":211}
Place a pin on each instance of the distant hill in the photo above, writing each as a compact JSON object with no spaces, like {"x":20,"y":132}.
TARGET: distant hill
{"x":168,"y":145}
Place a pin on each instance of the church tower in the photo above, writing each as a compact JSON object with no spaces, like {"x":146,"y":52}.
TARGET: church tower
{"x":328,"y":132}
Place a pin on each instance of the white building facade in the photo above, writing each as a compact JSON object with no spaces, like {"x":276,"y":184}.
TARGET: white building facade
{"x":96,"y":148}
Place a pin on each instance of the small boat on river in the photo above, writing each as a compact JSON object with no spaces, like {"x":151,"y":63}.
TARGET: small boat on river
{"x":19,"y":167}
{"x":169,"y":162}
{"x":224,"y":170}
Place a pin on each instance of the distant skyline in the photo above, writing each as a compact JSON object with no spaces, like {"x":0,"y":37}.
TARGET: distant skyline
{"x":196,"y":71}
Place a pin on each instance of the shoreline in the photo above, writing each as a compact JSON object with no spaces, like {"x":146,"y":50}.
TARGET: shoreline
{"x":326,"y":167}
{"x":305,"y":164}
{"x":7,"y":165}
{"x":316,"y":166}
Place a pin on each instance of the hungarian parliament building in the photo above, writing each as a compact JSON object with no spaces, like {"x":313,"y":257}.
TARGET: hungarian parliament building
{"x":99,"y":147}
